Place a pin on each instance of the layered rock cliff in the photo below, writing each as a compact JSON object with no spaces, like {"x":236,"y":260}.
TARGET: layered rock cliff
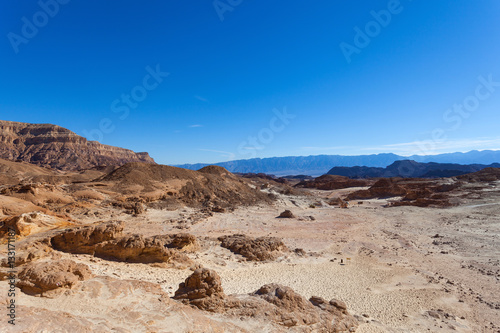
{"x":57,"y":147}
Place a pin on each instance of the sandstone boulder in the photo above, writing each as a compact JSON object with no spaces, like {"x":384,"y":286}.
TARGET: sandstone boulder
{"x":44,"y":277}
{"x":202,"y":289}
{"x":31,"y":251}
{"x":257,"y":249}
{"x":30,"y":223}
{"x":287,"y":214}
{"x":181,"y":241}
{"x":137,"y":249}
{"x":84,"y":239}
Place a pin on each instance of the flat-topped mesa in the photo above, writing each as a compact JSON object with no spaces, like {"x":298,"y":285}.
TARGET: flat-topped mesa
{"x":57,"y":147}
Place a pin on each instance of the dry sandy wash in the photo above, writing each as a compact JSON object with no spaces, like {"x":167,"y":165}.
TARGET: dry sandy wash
{"x":105,"y":256}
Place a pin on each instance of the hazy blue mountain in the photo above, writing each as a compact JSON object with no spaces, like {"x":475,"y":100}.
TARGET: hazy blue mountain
{"x":409,"y":168}
{"x":321,"y":164}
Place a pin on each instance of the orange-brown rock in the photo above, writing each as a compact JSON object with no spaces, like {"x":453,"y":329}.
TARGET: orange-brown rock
{"x":29,"y":251}
{"x":338,"y":202}
{"x":286,"y":214}
{"x":257,"y":249}
{"x":273,"y":303}
{"x":43,"y":277}
{"x":56,"y":147}
{"x":138,"y":249}
{"x":202,"y":289}
{"x":29,"y":223}
{"x":84,"y":239}
{"x":182,"y":241}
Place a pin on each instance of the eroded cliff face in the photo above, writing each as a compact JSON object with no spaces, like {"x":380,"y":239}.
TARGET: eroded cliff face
{"x":57,"y":147}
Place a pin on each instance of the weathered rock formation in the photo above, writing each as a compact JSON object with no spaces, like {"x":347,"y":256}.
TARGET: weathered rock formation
{"x":257,"y":249}
{"x":182,"y":241}
{"x":413,"y":192}
{"x":106,"y":241}
{"x":202,"y":289}
{"x":43,"y":277}
{"x":272,"y":302}
{"x":383,"y":188}
{"x":29,"y":223}
{"x":332,"y":182}
{"x":485,"y":175}
{"x":83,"y":240}
{"x":56,"y":147}
{"x":286,"y":214}
{"x":138,"y":249}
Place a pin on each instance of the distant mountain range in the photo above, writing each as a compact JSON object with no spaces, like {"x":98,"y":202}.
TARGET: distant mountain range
{"x":321,"y":164}
{"x":412,"y":169}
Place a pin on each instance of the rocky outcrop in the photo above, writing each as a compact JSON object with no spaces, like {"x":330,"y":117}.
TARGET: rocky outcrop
{"x":44,"y":277}
{"x":56,"y":147}
{"x":202,"y":289}
{"x":256,"y":249}
{"x":272,"y":302}
{"x":106,"y":241}
{"x":84,"y":239}
{"x":138,"y":249}
{"x":338,"y":202}
{"x":182,"y":241}
{"x":27,"y":252}
{"x":485,"y":175}
{"x":286,"y":214}
{"x":413,"y":192}
{"x":383,"y":188}
{"x":332,"y":182}
{"x":29,"y":223}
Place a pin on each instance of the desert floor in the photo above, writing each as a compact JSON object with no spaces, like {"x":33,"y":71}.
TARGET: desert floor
{"x":399,"y":269}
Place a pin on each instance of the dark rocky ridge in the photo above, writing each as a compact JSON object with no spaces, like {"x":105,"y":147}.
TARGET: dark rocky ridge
{"x":410,"y":169}
{"x":57,"y":147}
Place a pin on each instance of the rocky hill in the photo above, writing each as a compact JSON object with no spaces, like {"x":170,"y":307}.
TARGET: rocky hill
{"x":57,"y":147}
{"x":210,"y":186}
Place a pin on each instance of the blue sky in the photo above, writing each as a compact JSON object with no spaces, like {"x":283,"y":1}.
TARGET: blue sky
{"x":205,"y":81}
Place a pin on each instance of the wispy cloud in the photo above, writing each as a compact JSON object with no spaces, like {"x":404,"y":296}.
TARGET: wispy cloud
{"x":417,"y":147}
{"x":195,"y":126}
{"x":430,"y":147}
{"x":222,"y":153}
{"x":201,"y":99}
